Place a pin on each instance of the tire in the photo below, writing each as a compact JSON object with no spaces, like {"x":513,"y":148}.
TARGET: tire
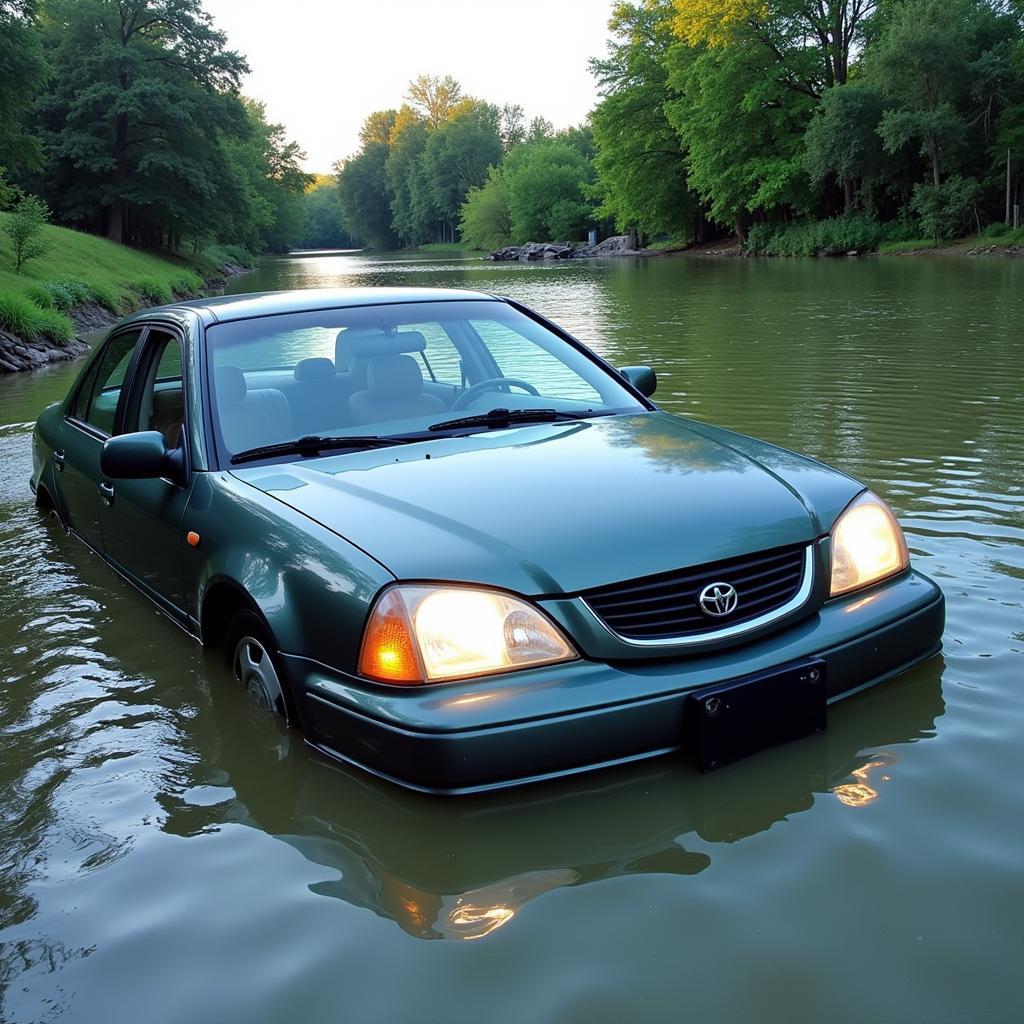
{"x":255,"y":662}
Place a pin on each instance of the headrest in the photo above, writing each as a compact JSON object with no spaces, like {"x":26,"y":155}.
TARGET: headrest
{"x":369,"y":342}
{"x":231,"y":386}
{"x":394,"y":376}
{"x":314,"y":368}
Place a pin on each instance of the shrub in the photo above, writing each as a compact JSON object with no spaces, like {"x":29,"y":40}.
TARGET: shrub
{"x":24,"y":227}
{"x":21,"y":316}
{"x":945,"y":210}
{"x":155,"y":292}
{"x":850,"y":233}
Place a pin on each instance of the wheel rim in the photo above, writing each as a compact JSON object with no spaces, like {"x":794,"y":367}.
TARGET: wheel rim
{"x":255,"y":672}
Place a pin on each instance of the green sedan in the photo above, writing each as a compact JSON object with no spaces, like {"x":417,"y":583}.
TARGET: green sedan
{"x":459,"y":550}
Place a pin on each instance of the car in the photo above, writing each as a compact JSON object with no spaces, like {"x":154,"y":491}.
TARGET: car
{"x":459,"y":550}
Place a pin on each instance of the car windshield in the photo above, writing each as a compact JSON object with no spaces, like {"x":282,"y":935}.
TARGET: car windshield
{"x":395,"y":370}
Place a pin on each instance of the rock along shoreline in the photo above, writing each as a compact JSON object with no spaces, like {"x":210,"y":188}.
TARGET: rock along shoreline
{"x":20,"y":354}
{"x":618,"y":245}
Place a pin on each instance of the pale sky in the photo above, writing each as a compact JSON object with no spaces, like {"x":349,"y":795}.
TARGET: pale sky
{"x":321,"y":67}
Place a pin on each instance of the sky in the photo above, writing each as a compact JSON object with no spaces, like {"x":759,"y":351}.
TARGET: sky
{"x":321,"y":66}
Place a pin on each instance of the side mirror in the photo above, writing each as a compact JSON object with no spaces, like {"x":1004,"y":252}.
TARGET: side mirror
{"x":140,"y":456}
{"x":643,"y":378}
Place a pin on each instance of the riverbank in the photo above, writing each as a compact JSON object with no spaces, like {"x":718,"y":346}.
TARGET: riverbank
{"x":83,"y":284}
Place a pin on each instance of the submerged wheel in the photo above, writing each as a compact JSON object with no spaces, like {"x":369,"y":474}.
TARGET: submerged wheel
{"x":253,"y":660}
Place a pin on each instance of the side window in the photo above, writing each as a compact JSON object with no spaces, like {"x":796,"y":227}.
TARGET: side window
{"x":158,"y":402}
{"x":440,"y":361}
{"x":97,"y":400}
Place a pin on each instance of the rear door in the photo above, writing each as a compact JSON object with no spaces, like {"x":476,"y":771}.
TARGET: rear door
{"x":142,"y":519}
{"x":89,"y":422}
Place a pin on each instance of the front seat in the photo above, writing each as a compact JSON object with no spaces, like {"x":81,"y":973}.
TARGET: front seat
{"x":394,"y":391}
{"x":250,"y":417}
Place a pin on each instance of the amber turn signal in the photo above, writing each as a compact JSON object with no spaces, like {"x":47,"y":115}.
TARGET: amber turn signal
{"x":193,"y":539}
{"x":388,"y":652}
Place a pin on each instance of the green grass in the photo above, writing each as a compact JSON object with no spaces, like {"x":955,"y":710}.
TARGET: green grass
{"x":446,"y":247}
{"x":80,"y":268}
{"x":906,"y":245}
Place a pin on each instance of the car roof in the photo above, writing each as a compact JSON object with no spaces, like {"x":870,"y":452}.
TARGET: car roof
{"x":224,"y":308}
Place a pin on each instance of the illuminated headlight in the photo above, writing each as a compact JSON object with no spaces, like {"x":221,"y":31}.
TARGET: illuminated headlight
{"x":867,"y":545}
{"x":424,"y":634}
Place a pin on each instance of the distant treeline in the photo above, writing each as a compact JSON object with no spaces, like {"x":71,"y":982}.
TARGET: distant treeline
{"x":125,"y":117}
{"x":797,"y":124}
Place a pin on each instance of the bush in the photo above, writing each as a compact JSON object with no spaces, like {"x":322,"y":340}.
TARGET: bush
{"x":24,"y":227}
{"x":155,"y":292}
{"x":21,"y":316}
{"x":945,"y":210}
{"x":850,"y":233}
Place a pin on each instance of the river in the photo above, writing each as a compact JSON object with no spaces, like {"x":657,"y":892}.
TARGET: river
{"x":168,"y":855}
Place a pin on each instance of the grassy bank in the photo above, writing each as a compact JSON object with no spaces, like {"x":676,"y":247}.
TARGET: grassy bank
{"x":80,"y":268}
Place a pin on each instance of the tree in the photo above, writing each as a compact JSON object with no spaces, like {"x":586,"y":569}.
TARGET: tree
{"x":24,"y":226}
{"x":412,"y":223}
{"x":435,"y":98}
{"x":540,"y":130}
{"x":456,"y":158}
{"x":323,"y":224}
{"x":378,"y":127}
{"x":22,"y":74}
{"x":485,"y":221}
{"x":546,"y":199}
{"x":640,"y":162}
{"x":945,"y":209}
{"x":842,"y":139}
{"x":364,"y":199}
{"x":512,"y":126}
{"x":139,"y":88}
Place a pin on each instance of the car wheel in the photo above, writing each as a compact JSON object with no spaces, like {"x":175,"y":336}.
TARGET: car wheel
{"x":254,"y":662}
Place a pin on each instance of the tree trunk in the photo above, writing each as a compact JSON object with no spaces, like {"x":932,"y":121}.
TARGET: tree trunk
{"x":115,"y":228}
{"x":1009,"y":211}
{"x":933,"y":152}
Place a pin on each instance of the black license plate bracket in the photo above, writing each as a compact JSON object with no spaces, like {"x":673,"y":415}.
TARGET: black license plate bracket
{"x":729,"y":721}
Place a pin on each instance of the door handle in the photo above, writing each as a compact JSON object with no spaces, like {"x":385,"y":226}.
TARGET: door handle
{"x":58,"y":460}
{"x":107,"y":493}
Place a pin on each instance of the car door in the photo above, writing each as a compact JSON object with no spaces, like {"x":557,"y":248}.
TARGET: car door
{"x":142,"y":519}
{"x":89,"y":421}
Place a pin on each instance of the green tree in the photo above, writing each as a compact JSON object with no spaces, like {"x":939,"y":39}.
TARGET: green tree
{"x":546,"y":192}
{"x":411,"y":221}
{"x":512,"y":126}
{"x":364,"y":198}
{"x":455,"y":159}
{"x":640,"y":162}
{"x":139,"y":88}
{"x":24,"y":226}
{"x":485,"y":220}
{"x":22,"y":75}
{"x":842,"y":139}
{"x":324,"y":228}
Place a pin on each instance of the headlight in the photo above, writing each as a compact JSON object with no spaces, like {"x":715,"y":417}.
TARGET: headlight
{"x":867,"y":545}
{"x":423,"y":634}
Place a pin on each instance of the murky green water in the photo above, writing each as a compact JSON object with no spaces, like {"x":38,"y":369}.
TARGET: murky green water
{"x":165,"y":856}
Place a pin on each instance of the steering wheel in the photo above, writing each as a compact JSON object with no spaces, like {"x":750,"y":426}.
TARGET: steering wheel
{"x":490,"y":385}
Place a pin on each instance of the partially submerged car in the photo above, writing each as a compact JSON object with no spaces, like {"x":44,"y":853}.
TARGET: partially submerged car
{"x":459,"y":550}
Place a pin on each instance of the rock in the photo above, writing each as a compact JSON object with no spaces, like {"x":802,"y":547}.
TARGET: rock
{"x":617,"y":245}
{"x":534,"y":251}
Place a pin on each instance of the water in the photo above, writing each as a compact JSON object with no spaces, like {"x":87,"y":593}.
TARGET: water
{"x":166,"y":855}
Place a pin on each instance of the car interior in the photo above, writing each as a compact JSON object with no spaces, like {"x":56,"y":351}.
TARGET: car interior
{"x":386,"y":378}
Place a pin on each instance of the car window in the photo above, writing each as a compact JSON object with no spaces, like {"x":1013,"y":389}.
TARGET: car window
{"x":440,"y":360}
{"x":393,"y":369}
{"x":526,"y":359}
{"x":96,"y":402}
{"x":159,"y":402}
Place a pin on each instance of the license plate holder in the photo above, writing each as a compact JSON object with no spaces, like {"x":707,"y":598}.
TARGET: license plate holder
{"x":729,"y":721}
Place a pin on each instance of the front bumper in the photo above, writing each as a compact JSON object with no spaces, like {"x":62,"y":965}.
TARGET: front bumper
{"x":545,"y":723}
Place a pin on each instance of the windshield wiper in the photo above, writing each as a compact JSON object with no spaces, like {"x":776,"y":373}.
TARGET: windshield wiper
{"x":314,"y":444}
{"x":496,"y":418}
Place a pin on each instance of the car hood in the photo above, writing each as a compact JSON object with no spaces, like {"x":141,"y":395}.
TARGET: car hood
{"x":559,"y":508}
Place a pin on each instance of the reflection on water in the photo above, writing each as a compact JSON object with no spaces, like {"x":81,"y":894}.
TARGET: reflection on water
{"x":162,"y":846}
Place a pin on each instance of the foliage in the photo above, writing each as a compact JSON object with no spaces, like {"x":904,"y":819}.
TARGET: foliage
{"x":24,"y":228}
{"x":834,"y":236}
{"x":485,"y":221}
{"x":545,"y":186}
{"x":22,"y":74}
{"x":945,"y":210}
{"x":640,"y":162}
{"x":323,"y":226}
{"x":436,"y":99}
{"x":364,"y":199}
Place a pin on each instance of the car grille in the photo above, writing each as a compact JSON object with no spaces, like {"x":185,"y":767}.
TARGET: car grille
{"x":666,"y":606}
